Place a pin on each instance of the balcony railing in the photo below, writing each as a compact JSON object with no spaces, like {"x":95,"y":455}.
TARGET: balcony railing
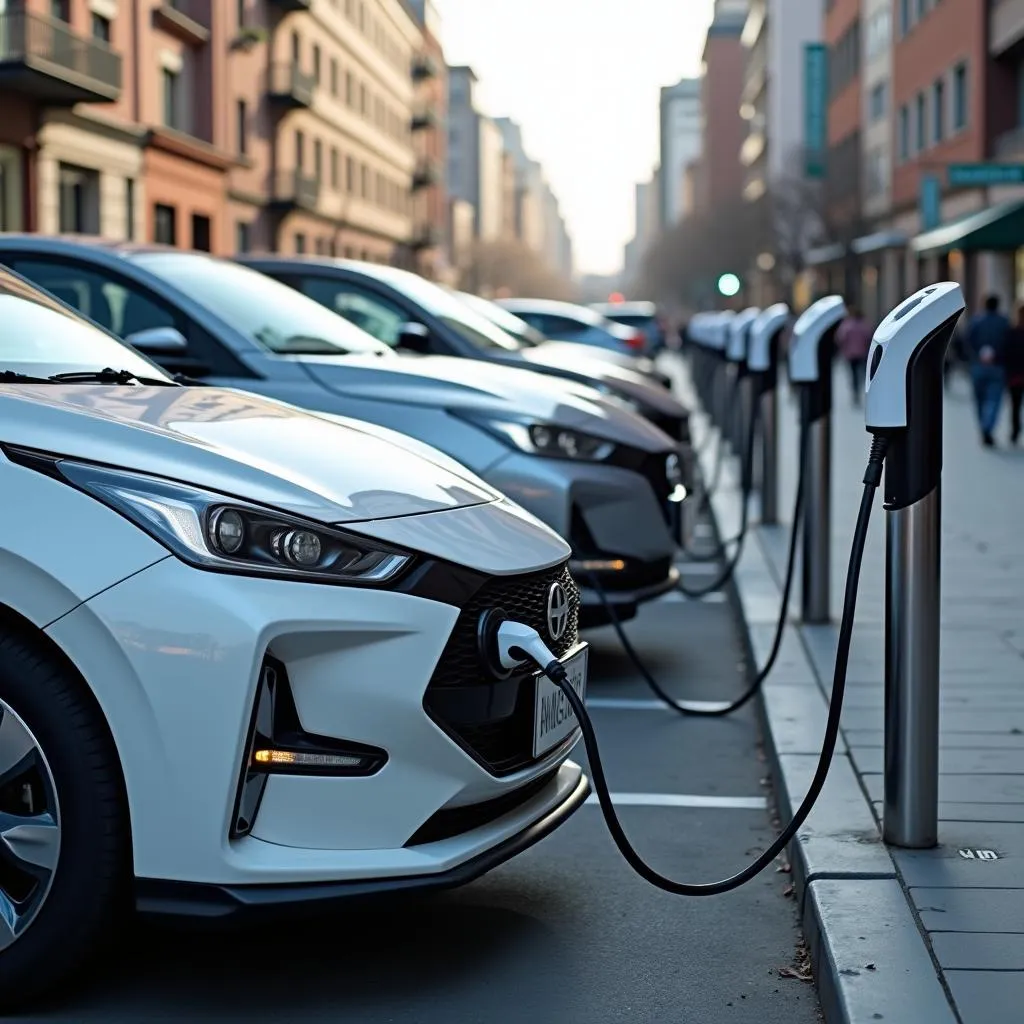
{"x":1010,"y":144}
{"x":291,"y":5}
{"x":424,"y":66}
{"x":425,"y":175}
{"x":426,"y":236}
{"x":291,"y":85}
{"x":296,"y":190}
{"x":45,"y":58}
{"x":424,"y":119}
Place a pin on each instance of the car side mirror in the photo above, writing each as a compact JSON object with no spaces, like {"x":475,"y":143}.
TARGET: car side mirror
{"x":158,"y":341}
{"x":414,"y":338}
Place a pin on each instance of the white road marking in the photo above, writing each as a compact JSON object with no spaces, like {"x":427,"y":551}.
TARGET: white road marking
{"x":733,"y":803}
{"x":629,"y":704}
{"x":678,"y":597}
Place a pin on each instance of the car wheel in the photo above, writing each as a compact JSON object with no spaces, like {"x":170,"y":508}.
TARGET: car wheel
{"x":63,"y":827}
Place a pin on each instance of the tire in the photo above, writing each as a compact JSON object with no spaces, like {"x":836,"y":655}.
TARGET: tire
{"x":74,"y":786}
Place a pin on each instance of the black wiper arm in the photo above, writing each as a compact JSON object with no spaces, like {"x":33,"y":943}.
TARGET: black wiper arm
{"x":13,"y":377}
{"x":109,"y":376}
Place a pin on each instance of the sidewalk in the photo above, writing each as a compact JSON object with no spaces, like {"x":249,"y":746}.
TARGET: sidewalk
{"x":905,"y":936}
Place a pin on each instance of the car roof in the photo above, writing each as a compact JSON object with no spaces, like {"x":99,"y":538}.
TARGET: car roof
{"x":552,"y":306}
{"x":613,"y":309}
{"x":69,"y":242}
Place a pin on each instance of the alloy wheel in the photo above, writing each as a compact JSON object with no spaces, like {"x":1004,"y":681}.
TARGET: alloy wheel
{"x":29,"y":827}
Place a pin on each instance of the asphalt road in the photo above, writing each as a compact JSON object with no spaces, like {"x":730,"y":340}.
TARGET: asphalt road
{"x":565,"y":933}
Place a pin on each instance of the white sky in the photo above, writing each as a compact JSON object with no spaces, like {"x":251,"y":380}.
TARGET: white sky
{"x":582,"y":78}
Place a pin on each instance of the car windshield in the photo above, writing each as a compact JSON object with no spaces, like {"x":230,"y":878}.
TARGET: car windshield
{"x":41,"y":337}
{"x":270,"y":313}
{"x":529,"y":336}
{"x":478,"y":330}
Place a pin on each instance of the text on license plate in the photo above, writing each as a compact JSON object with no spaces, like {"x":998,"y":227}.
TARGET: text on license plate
{"x":553,"y":718}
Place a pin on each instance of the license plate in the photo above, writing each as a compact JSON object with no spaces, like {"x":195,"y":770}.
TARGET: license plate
{"x":553,"y":717}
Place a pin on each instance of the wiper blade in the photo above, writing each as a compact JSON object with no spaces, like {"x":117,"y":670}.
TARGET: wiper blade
{"x":13,"y":377}
{"x":109,"y":376}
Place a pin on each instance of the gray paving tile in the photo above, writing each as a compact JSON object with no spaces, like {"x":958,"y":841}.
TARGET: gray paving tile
{"x":988,"y":997}
{"x":954,"y":760}
{"x":964,"y":721}
{"x":854,"y":923}
{"x":960,"y":859}
{"x":992,"y":789}
{"x":978,"y":951}
{"x":972,"y":811}
{"x":970,"y":909}
{"x":796,"y":717}
{"x":862,"y":738}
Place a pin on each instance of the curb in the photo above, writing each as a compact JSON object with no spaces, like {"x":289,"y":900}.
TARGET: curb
{"x":870,"y":959}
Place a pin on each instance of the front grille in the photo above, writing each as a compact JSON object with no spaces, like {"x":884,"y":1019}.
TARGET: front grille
{"x":654,"y":469}
{"x":492,"y":719}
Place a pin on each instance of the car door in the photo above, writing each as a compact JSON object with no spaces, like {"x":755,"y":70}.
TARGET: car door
{"x":381,"y":316}
{"x":126,"y":307}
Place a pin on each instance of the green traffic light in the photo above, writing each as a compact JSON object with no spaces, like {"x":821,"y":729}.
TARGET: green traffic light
{"x":729,"y":285}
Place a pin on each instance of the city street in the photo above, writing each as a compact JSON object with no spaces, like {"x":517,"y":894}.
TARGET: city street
{"x":565,"y":932}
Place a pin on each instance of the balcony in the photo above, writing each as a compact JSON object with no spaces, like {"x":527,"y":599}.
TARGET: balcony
{"x":1005,"y":25}
{"x":425,"y":175}
{"x":425,"y":236}
{"x":424,"y":119}
{"x":287,"y":6}
{"x":291,"y":86}
{"x":46,"y":59}
{"x":295,"y":190}
{"x":1010,"y":145}
{"x":424,"y":66}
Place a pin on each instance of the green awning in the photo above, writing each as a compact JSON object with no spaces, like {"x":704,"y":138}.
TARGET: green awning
{"x":998,"y":228}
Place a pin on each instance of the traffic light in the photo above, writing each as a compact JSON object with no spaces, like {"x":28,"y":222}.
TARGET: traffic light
{"x":729,"y":285}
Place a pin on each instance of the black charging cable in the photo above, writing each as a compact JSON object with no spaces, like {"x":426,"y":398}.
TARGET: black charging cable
{"x":556,"y":672}
{"x":708,"y":709}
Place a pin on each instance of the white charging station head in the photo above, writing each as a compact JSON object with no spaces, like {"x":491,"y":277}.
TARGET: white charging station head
{"x":720,"y":330}
{"x":808,"y":332}
{"x":762,"y":331}
{"x":699,"y":327}
{"x":739,"y":330}
{"x":896,"y":340}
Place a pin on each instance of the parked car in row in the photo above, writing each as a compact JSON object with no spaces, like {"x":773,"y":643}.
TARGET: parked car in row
{"x":567,"y":321}
{"x":640,"y":316}
{"x":596,"y":472}
{"x":408,"y":313}
{"x":239,"y":643}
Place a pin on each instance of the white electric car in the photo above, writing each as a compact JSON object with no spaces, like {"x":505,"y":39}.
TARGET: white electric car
{"x":245,"y":654}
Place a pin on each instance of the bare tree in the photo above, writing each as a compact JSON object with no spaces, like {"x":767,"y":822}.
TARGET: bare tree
{"x":510,"y":268}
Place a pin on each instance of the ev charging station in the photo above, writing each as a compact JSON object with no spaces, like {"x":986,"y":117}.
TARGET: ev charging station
{"x":904,"y":403}
{"x":725,"y":374}
{"x":763,"y":363}
{"x":810,"y":367}
{"x":742,"y":412}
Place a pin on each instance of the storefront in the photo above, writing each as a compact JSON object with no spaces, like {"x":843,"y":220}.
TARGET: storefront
{"x":882,"y":272}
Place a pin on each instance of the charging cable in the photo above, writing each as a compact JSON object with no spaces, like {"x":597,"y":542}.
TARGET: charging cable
{"x":714,"y":709}
{"x":518,"y":643}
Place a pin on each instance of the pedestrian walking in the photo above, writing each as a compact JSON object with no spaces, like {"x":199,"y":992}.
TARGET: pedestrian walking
{"x":1014,"y":366}
{"x":987,"y":339}
{"x":854,"y":341}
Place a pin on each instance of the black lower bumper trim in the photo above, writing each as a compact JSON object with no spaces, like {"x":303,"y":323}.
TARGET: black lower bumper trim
{"x":199,"y":900}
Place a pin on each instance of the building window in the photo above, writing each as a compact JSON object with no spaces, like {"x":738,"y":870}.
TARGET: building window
{"x":241,"y":115}
{"x":318,"y":159}
{"x":129,"y":209}
{"x":939,"y":111}
{"x":316,"y":64}
{"x":364,"y":183}
{"x":243,"y":236}
{"x":300,"y":243}
{"x":5,"y":217}
{"x":200,"y":233}
{"x":101,"y":28}
{"x":904,"y":132}
{"x":79,"y":200}
{"x":240,"y":13}
{"x":922,"y":9}
{"x":60,"y":10}
{"x":350,"y":174}
{"x":364,"y":100}
{"x":904,"y":17}
{"x":334,"y":77}
{"x":960,"y":97}
{"x":878,"y":101}
{"x":334,"y":168}
{"x":172,"y":98}
{"x":300,"y":150}
{"x":921,"y":139}
{"x":165,"y":224}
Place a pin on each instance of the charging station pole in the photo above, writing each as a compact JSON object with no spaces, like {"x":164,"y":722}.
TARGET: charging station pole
{"x":810,"y":365}
{"x":743,"y":413}
{"x":904,"y":403}
{"x":763,"y":363}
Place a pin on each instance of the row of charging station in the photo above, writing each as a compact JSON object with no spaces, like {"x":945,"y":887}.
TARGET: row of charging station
{"x":734,"y":360}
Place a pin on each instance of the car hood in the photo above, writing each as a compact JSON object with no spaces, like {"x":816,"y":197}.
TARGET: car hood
{"x":556,"y":358}
{"x":239,"y":444}
{"x":489,"y":390}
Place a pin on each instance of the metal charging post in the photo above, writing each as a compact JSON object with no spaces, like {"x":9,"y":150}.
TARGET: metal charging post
{"x":810,"y":366}
{"x":742,"y":412}
{"x":763,"y":364}
{"x":904,"y":403}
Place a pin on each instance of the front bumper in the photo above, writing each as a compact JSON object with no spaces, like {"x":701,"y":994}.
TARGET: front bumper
{"x":234,"y":901}
{"x":174,"y":655}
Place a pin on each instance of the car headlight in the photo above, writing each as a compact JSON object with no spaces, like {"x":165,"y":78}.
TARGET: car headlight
{"x":549,"y":439}
{"x":218,"y":532}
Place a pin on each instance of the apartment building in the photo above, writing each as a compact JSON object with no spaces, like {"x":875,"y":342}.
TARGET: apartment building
{"x":680,"y":143}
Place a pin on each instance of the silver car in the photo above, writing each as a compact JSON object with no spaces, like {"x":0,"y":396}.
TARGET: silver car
{"x":595,"y":471}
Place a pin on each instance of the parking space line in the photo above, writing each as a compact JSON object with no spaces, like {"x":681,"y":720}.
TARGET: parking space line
{"x":698,"y":568}
{"x":730,"y":803}
{"x":676,"y":597}
{"x":628,"y":704}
